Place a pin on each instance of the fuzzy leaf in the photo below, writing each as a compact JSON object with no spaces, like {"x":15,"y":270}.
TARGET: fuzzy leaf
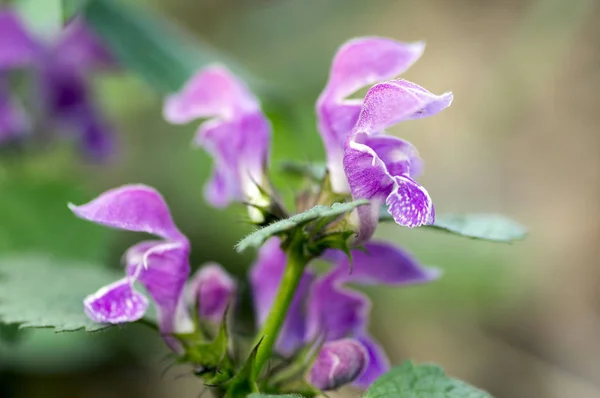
{"x":258,"y":237}
{"x":421,"y":381}
{"x":151,"y":45}
{"x":211,"y":359}
{"x":39,"y":291}
{"x":241,"y":384}
{"x":490,"y":227}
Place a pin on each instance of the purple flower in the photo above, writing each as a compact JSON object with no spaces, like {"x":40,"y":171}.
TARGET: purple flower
{"x":13,"y":121}
{"x":376,"y":166}
{"x":237,"y":134}
{"x":338,"y":363}
{"x":60,"y":71}
{"x":324,"y":307}
{"x":161,"y":266}
{"x":381,"y":168}
{"x":357,"y":64}
{"x":213,"y":290}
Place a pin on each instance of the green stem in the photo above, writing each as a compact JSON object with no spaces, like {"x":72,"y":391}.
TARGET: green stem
{"x":270,"y":330}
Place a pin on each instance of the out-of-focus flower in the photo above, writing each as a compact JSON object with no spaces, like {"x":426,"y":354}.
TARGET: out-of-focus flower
{"x":237,"y":135}
{"x":60,"y":68}
{"x":161,"y":266}
{"x":213,"y":289}
{"x":324,"y":308}
{"x":338,"y":363}
{"x":13,"y":121}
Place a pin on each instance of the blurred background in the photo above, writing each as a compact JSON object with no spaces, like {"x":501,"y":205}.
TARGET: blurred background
{"x":521,"y":138}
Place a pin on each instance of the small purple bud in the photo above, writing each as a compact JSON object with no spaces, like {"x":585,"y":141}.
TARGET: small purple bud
{"x":214,"y":289}
{"x":338,"y":363}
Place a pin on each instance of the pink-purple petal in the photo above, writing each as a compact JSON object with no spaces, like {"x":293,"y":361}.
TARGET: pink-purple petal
{"x":212,"y":290}
{"x":97,"y":138}
{"x":212,"y":92}
{"x":382,"y":263}
{"x":368,"y":179}
{"x":13,"y":121}
{"x":400,"y":157}
{"x":17,"y":47}
{"x":338,"y":363}
{"x":163,"y":268}
{"x":79,"y":47}
{"x":409,"y":203}
{"x":367,"y":60}
{"x":334,"y":312}
{"x":116,"y":303}
{"x":378,"y":362}
{"x":394,"y":101}
{"x":239,"y":148}
{"x":132,"y":208}
{"x":358,"y":63}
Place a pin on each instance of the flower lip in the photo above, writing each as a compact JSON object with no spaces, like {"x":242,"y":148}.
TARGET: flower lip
{"x":116,"y":303}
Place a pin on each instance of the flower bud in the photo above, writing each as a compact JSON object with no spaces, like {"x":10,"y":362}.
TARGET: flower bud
{"x":214,"y":289}
{"x":338,"y":363}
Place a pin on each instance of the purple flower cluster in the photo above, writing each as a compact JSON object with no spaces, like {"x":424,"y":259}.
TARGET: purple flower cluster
{"x":324,"y":307}
{"x":59,"y":69}
{"x":363,"y":163}
{"x":161,"y":266}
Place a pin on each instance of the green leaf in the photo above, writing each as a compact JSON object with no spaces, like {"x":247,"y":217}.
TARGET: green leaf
{"x":421,"y":381}
{"x":211,"y":359}
{"x":39,"y":291}
{"x":491,"y":227}
{"x":149,"y":44}
{"x":258,"y":237}
{"x":257,"y":395}
{"x":241,"y":384}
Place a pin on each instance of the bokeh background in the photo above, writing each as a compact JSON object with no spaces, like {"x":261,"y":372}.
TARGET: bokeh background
{"x":521,"y":138}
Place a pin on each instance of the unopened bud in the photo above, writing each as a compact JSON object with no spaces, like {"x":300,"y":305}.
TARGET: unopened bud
{"x":214,"y":289}
{"x":338,"y":363}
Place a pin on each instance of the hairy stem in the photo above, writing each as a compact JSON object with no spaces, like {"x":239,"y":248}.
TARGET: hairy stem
{"x":285,"y":293}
